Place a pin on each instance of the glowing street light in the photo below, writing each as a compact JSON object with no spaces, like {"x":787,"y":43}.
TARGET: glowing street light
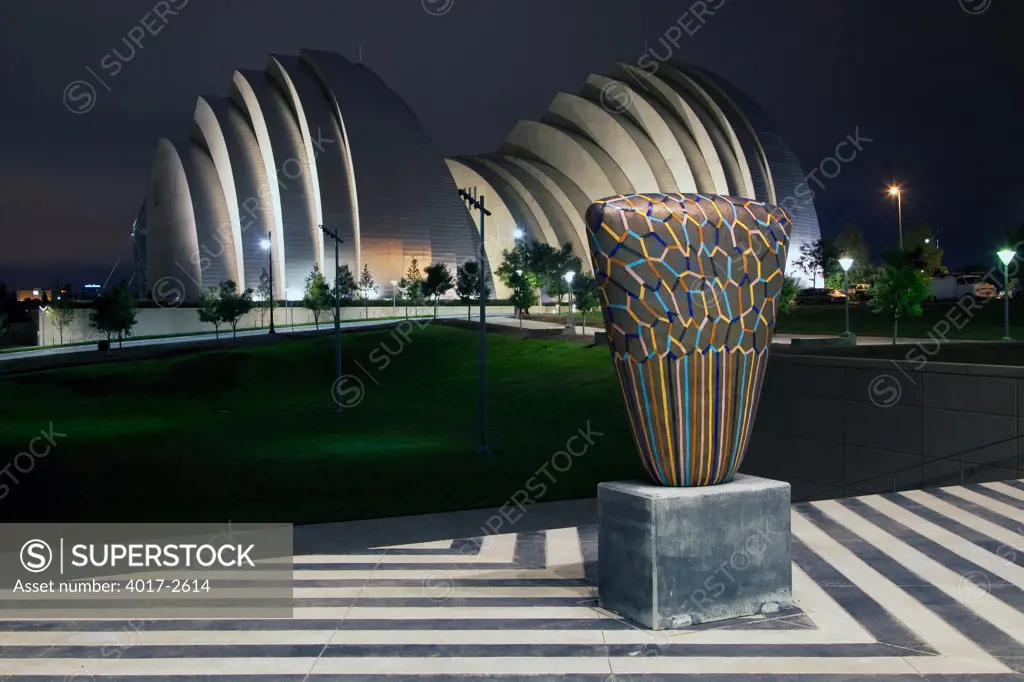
{"x":895,"y":191}
{"x":518,"y":233}
{"x":568,"y":278}
{"x":265,"y":245}
{"x":846,"y":264}
{"x":394,"y":297}
{"x":1006,"y":255}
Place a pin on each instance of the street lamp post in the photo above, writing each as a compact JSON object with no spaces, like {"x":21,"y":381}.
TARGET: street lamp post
{"x":519,"y":284}
{"x":898,"y":193}
{"x":472,"y":201}
{"x":267,"y":246}
{"x":845,"y":264}
{"x":333,"y":234}
{"x":568,"y":320}
{"x":394,"y":297}
{"x":1006,"y":255}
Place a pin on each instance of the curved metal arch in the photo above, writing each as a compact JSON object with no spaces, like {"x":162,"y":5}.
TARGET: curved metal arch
{"x":646,"y":119}
{"x":562,"y":151}
{"x":682,"y":114}
{"x":289,"y":176}
{"x":733,"y":150}
{"x":208,"y":132}
{"x":610,"y":134}
{"x":171,"y":239}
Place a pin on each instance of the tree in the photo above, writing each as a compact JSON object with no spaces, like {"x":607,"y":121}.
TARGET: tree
{"x":524,"y":292}
{"x":587,"y":296}
{"x":3,"y":326}
{"x":550,"y":266}
{"x":437,"y":283}
{"x":62,"y":313}
{"x":209,"y":311}
{"x":411,"y":284}
{"x":818,"y":258}
{"x":787,"y":296}
{"x":232,"y":306}
{"x":343,"y":288}
{"x":514,"y":260}
{"x":899,"y":290}
{"x":317,"y":294}
{"x":467,"y":284}
{"x":114,"y":313}
{"x":850,"y":244}
{"x":367,"y":284}
{"x":263,"y":296}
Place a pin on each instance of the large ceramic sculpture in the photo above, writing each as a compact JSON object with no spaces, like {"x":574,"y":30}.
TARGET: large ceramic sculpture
{"x":688,"y":286}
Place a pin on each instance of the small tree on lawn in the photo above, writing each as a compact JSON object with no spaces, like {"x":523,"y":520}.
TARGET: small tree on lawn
{"x":787,"y":296}
{"x":344,"y":287}
{"x":114,"y":313}
{"x":467,"y":284}
{"x":367,"y":284}
{"x":524,"y":292}
{"x":209,"y":310}
{"x":233,"y":305}
{"x":899,"y":290}
{"x":411,"y":285}
{"x":438,"y":282}
{"x":62,"y":313}
{"x":587,"y":296}
{"x":263,"y":295}
{"x":317,"y":294}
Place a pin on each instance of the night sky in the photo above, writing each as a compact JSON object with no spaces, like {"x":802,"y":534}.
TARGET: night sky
{"x":936,"y":84}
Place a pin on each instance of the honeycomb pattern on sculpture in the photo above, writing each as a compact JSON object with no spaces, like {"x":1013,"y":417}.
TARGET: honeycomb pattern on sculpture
{"x":686,"y":272}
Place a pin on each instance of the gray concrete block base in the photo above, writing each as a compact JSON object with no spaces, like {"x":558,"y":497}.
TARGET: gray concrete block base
{"x":672,"y":557}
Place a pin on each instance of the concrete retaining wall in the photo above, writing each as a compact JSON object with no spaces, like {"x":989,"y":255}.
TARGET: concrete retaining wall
{"x":830,"y":424}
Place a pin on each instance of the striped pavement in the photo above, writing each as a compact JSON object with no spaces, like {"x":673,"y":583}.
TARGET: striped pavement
{"x":920,"y":585}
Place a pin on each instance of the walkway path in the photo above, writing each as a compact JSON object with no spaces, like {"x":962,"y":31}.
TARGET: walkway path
{"x":921,"y":585}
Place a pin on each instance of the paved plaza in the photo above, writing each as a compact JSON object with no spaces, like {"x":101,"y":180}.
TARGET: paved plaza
{"x":920,"y":585}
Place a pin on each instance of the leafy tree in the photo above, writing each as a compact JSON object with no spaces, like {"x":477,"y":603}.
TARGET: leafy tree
{"x":367,"y":284}
{"x":899,"y":290}
{"x":818,"y":258}
{"x":263,"y":296}
{"x":3,"y":326}
{"x":438,"y":282}
{"x":232,"y":306}
{"x":45,"y":300}
{"x":850,"y":243}
{"x":209,"y":310}
{"x":343,"y":288}
{"x":62,"y":313}
{"x":550,"y":266}
{"x":467,"y":284}
{"x":411,"y":284}
{"x":515,"y":260}
{"x":787,"y":297}
{"x":524,"y":292}
{"x":587,"y":296}
{"x":113,"y":313}
{"x":317,"y":294}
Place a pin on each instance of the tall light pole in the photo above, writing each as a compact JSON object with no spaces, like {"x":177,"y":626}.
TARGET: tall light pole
{"x":394,"y":297}
{"x":1006,"y":255}
{"x":470,"y":197}
{"x":568,"y":279}
{"x":268,"y":246}
{"x":845,"y":264}
{"x":333,"y":234}
{"x":519,"y":284}
{"x":895,"y":191}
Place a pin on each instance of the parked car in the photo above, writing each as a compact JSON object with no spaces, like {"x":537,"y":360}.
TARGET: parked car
{"x":956,"y":287}
{"x":811,"y":296}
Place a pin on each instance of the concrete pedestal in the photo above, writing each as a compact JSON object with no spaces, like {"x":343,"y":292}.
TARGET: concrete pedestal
{"x":672,"y":557}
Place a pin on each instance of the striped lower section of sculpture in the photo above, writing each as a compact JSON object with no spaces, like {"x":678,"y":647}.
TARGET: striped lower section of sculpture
{"x":688,"y":287}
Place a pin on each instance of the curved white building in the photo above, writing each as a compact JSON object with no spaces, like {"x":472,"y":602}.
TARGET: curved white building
{"x":317,"y":140}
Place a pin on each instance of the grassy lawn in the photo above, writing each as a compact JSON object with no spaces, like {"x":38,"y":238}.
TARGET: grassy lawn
{"x":251,"y":434}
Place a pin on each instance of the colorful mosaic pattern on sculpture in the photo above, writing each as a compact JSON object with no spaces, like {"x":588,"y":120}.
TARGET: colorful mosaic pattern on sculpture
{"x":688,"y":288}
